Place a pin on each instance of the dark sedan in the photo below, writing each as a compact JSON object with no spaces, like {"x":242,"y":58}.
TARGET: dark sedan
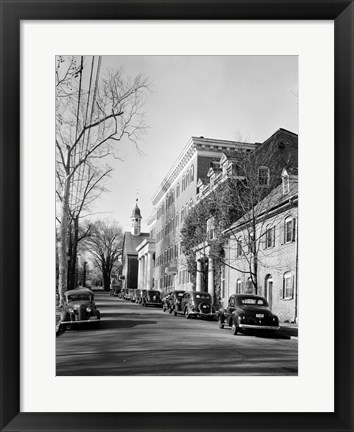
{"x":79,"y":307}
{"x":248,"y":312}
{"x":151,"y":298}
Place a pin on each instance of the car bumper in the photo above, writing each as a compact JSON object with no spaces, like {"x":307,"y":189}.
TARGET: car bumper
{"x":258,"y":327}
{"x":93,"y":318}
{"x":201,"y":314}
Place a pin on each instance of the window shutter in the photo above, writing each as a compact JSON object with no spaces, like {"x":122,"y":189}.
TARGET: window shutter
{"x":264,"y":239}
{"x":282,"y":233}
{"x":274,"y":236}
{"x":294,"y":229}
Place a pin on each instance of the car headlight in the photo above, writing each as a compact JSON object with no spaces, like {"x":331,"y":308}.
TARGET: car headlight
{"x":88,"y":309}
{"x":71,"y":310}
{"x":240,"y":318}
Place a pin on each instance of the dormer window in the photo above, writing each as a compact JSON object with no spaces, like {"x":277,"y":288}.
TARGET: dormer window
{"x":285,"y":181}
{"x":211,"y":228}
{"x":263,"y":176}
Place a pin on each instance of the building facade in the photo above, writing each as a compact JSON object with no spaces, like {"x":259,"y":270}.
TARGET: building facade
{"x":275,"y":249}
{"x":173,"y":200}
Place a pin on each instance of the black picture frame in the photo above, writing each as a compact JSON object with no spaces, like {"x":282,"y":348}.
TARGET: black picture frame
{"x":12,"y":12}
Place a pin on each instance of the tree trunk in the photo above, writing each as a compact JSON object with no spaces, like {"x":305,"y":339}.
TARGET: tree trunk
{"x":63,"y":247}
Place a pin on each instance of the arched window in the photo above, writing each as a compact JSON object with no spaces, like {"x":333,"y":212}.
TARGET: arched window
{"x":239,"y":289}
{"x":288,"y":286}
{"x":263,"y":176}
{"x":250,"y":287}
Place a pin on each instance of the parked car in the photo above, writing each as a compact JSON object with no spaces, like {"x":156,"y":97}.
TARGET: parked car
{"x":196,"y":303}
{"x":137,"y":295}
{"x":166,"y":302}
{"x":132,"y":294}
{"x":176,"y":301}
{"x":79,"y":307}
{"x":142,"y":294}
{"x":246,"y":312}
{"x":151,"y":298}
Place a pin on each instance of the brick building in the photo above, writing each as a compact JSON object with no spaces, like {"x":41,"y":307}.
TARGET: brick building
{"x":276,"y":246}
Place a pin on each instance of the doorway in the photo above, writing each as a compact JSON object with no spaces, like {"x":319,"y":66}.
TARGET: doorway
{"x":268,"y":289}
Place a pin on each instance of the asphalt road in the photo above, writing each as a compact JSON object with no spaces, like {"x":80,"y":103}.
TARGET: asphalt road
{"x":133,"y":340}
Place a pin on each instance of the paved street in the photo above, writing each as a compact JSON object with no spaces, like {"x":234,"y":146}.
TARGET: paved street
{"x":133,"y":340}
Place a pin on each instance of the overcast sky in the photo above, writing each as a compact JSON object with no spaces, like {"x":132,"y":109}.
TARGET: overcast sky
{"x":225,"y":97}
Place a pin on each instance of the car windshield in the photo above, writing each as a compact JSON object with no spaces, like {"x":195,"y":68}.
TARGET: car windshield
{"x":202,"y":296}
{"x":154,"y":293}
{"x":76,"y":297}
{"x":253,"y":301}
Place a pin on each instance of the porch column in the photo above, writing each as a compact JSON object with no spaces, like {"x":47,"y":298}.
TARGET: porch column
{"x":211,"y":278}
{"x":142,"y":272}
{"x":199,"y":276}
{"x":139,"y":273}
{"x":145,"y":272}
{"x":149,"y":271}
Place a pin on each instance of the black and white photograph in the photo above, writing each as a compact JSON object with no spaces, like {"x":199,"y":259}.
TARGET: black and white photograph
{"x":177,"y":221}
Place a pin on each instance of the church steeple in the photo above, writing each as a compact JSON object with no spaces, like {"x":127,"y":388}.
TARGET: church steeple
{"x":136,"y":220}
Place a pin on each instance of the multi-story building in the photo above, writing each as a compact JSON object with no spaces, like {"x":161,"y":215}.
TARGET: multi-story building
{"x":173,"y":200}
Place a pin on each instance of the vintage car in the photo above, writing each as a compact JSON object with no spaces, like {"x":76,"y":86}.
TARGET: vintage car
{"x":79,"y":307}
{"x":166,"y":302}
{"x":176,"y":301}
{"x":151,"y":298}
{"x":137,"y":296}
{"x":132,"y":292}
{"x":197,"y":304}
{"x":247,"y":312}
{"x":142,"y":294}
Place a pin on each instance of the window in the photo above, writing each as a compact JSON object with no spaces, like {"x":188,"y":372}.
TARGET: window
{"x":269,"y":237}
{"x":239,"y":247}
{"x":289,"y":229}
{"x":263,"y":176}
{"x":192,"y":173}
{"x":249,"y":286}
{"x":288,"y":286}
{"x":178,"y":190}
{"x":239,"y":286}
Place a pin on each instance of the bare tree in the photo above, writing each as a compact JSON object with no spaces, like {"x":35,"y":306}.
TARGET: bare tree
{"x":105,"y":245}
{"x":93,"y":114}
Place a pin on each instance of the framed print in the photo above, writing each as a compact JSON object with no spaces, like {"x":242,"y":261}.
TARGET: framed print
{"x":287,"y":60}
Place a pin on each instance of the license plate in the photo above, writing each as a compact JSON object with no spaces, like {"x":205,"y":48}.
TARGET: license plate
{"x":259,"y":315}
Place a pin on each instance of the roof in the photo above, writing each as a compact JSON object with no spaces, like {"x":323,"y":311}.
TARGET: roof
{"x":273,"y":200}
{"x":131,"y":242}
{"x":136,"y":211}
